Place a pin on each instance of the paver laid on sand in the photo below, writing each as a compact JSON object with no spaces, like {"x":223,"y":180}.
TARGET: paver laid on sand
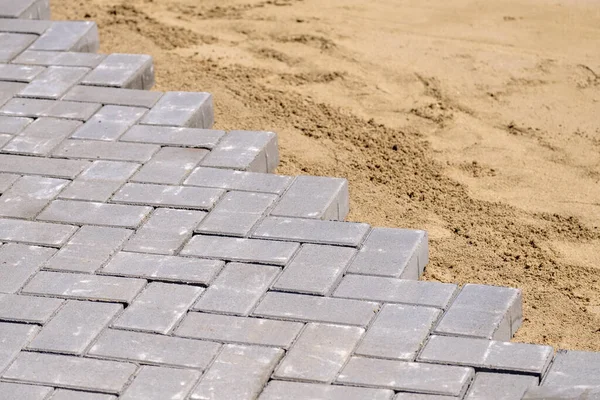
{"x":145,"y":255}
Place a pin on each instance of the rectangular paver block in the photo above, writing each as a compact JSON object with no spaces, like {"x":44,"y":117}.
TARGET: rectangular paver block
{"x":159,"y":383}
{"x":562,"y":393}
{"x":237,"y":289}
{"x":319,"y":353}
{"x":500,"y":386}
{"x":20,"y":308}
{"x":71,"y":372}
{"x":19,"y":73}
{"x":239,"y":372}
{"x":42,"y":136}
{"x":398,"y":332}
{"x":84,"y":287}
{"x":238,"y":180}
{"x":158,"y":308}
{"x":168,"y":196}
{"x":489,"y":312}
{"x":573,"y":368}
{"x":68,"y":169}
{"x":36,"y":108}
{"x":109,"y":123}
{"x":154,"y":349}
{"x":74,"y":327}
{"x":243,"y":330}
{"x":236,"y":213}
{"x":18,"y":262}
{"x":185,"y":109}
{"x":13,"y":125}
{"x":13,"y":338}
{"x":89,"y":213}
{"x":487,"y":354}
{"x":283,"y":390}
{"x":63,"y":394}
{"x":24,"y":392}
{"x":407,"y":376}
{"x":53,"y":82}
{"x":23,"y":26}
{"x":11,"y":44}
{"x":245,"y":151}
{"x":119,"y":97}
{"x":398,"y":253}
{"x":298,"y":307}
{"x":59,"y":58}
{"x":79,"y":36}
{"x":164,"y":268}
{"x":129,"y":71}
{"x":393,"y":290}
{"x":165,"y":231}
{"x":42,"y":233}
{"x":173,"y":136}
{"x":315,"y":197}
{"x":170,"y":165}
{"x":315,"y":269}
{"x":312,"y":231}
{"x":29,"y":195}
{"x":97,"y":149}
{"x":243,"y":250}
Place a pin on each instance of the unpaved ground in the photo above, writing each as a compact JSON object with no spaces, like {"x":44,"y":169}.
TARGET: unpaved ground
{"x":478,"y":121}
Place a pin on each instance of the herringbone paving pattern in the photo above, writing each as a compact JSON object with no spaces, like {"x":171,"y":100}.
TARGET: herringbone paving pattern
{"x":144,"y":255}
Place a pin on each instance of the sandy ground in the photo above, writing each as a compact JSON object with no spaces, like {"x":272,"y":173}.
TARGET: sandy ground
{"x":476,"y":120}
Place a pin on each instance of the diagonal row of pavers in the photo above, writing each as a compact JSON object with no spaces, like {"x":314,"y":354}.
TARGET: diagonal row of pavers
{"x":144,"y":255}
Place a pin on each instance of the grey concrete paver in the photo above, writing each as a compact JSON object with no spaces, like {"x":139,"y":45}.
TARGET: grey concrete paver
{"x":184,"y":109}
{"x":173,"y":136}
{"x":284,"y":390}
{"x":109,"y":123}
{"x":24,"y":392}
{"x":159,"y":383}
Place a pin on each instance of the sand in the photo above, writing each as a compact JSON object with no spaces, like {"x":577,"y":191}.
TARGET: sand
{"x":475,"y":120}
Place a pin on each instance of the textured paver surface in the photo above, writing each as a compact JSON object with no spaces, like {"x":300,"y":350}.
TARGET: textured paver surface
{"x":145,"y":255}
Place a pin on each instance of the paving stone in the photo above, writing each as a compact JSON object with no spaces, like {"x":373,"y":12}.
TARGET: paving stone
{"x":398,"y":332}
{"x":315,"y":197}
{"x":243,"y":330}
{"x":18,"y":263}
{"x":24,"y":9}
{"x":23,"y":26}
{"x":392,"y":290}
{"x":13,"y":125}
{"x":119,"y":97}
{"x":71,"y":372}
{"x":41,"y":233}
{"x":115,"y":151}
{"x":89,"y":249}
{"x":19,"y":73}
{"x":245,"y":151}
{"x":159,"y":383}
{"x":237,"y":289}
{"x":84,"y":287}
{"x":489,"y":312}
{"x":171,"y":136}
{"x":74,"y":327}
{"x":319,"y":353}
{"x":24,"y":392}
{"x":109,"y":123}
{"x":574,"y":368}
{"x":315,"y":269}
{"x":6,"y":181}
{"x":243,"y":250}
{"x":30,"y":309}
{"x":312,"y":231}
{"x":238,"y":180}
{"x":165,"y":231}
{"x":58,"y":58}
{"x":11,"y":44}
{"x":42,"y":136}
{"x":283,"y":390}
{"x":149,"y":348}
{"x":77,"y":36}
{"x":487,"y":354}
{"x":237,"y":213}
{"x":500,"y":386}
{"x":168,"y":196}
{"x":61,"y":394}
{"x":53,"y":82}
{"x":164,"y":268}
{"x":13,"y":338}
{"x":29,"y":195}
{"x":239,"y":372}
{"x":398,"y":253}
{"x":185,"y":109}
{"x":563,"y":393}
{"x":100,"y":181}
{"x":158,"y":308}
{"x":316,"y":309}
{"x":36,"y":108}
{"x":88,"y":213}
{"x":129,"y":71}
{"x":407,"y":376}
{"x":68,"y":169}
{"x":170,"y":165}
{"x":8,"y":90}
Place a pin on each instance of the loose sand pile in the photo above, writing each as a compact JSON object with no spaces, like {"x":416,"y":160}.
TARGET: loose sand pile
{"x":475,"y":120}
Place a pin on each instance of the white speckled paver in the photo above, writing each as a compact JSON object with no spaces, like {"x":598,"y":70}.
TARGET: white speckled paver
{"x":145,"y":255}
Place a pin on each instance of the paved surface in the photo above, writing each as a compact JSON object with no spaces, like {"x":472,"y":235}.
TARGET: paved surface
{"x":145,"y":256}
